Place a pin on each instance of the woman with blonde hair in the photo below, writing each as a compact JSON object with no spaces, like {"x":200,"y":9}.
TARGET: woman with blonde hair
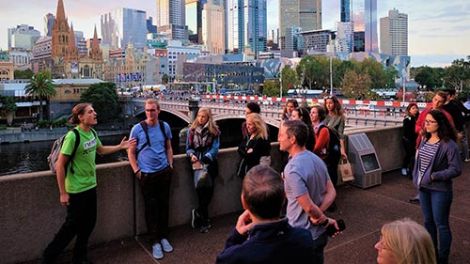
{"x":202,"y":146}
{"x":255,"y":147}
{"x":405,"y":242}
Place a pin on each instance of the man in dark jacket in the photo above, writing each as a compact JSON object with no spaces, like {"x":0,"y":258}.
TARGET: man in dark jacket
{"x":260,"y":235}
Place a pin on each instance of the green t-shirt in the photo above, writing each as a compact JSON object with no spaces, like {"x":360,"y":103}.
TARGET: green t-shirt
{"x":84,"y":166}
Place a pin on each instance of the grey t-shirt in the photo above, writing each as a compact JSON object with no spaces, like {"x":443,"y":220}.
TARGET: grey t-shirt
{"x":304,"y":173}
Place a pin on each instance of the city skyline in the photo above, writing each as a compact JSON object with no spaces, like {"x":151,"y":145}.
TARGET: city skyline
{"x":438,"y":31}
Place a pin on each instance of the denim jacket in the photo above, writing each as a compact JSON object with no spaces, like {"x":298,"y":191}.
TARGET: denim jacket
{"x":445,"y":165}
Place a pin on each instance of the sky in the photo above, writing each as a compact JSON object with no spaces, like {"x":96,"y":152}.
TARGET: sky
{"x":439,"y":31}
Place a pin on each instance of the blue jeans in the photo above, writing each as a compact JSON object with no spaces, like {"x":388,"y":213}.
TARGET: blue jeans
{"x":436,"y":210}
{"x":319,"y":245}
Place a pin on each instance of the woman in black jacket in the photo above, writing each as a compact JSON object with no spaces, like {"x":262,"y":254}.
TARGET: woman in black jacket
{"x":409,"y":138}
{"x":255,"y":147}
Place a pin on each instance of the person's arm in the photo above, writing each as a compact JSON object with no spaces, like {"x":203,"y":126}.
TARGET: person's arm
{"x":329,"y":196}
{"x":132,"y":155}
{"x":125,"y":144}
{"x":314,"y":212}
{"x":454,"y":167}
{"x":214,"y":149}
{"x":60,"y":167}
{"x":321,"y":141}
{"x":169,"y":152}
{"x":419,"y":127}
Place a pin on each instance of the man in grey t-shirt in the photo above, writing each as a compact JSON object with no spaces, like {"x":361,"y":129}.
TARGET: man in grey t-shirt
{"x":308,"y":187}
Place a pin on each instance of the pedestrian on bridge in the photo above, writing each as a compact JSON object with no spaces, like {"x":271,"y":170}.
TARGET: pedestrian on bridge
{"x":202,"y":146}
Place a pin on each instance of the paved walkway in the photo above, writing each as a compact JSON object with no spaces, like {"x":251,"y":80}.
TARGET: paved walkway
{"x":364,"y":212}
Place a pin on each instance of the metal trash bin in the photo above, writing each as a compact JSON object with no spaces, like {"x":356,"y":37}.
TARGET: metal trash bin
{"x":364,"y":161}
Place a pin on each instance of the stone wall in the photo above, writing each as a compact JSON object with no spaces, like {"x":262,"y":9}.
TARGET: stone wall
{"x":30,"y":213}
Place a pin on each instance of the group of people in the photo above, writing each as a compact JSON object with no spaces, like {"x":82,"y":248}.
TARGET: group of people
{"x":284,"y":214}
{"x":435,"y":144}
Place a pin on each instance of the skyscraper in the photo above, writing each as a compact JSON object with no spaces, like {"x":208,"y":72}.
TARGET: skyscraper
{"x":246,"y":26}
{"x":22,"y":37}
{"x":48,"y":24}
{"x":305,"y":14}
{"x":213,"y":26}
{"x":394,"y":33}
{"x":345,"y":11}
{"x":171,"y":18}
{"x":365,"y":22}
{"x":123,"y":26}
{"x":193,"y":15}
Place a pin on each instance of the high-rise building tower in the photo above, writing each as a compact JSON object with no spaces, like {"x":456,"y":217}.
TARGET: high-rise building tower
{"x":123,"y":26}
{"x":48,"y":24}
{"x":365,"y":23}
{"x":345,"y":11}
{"x":171,"y":18}
{"x":22,"y":37}
{"x":246,"y":26}
{"x":304,"y":14}
{"x":213,"y":26}
{"x":394,"y":33}
{"x":193,"y":18}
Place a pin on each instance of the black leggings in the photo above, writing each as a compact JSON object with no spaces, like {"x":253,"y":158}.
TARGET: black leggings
{"x":80,"y":222}
{"x":205,"y":193}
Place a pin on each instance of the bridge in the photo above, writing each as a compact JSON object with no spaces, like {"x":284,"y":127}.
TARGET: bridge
{"x":233,"y":107}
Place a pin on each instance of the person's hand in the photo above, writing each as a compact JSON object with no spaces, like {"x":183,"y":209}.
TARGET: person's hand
{"x":125,"y":144}
{"x":333,"y":222}
{"x":64,"y":199}
{"x":459,"y":136}
{"x":138,"y":174}
{"x":344,"y":155}
{"x":250,"y":150}
{"x":244,"y":223}
{"x":193,"y":158}
{"x":318,"y":220}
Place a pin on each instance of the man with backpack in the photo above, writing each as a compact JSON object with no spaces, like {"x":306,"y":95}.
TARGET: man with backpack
{"x":76,"y":176}
{"x":152,"y":163}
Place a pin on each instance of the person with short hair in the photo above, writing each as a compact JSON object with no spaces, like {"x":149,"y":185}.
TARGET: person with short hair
{"x":77,"y":184}
{"x":309,"y":190}
{"x":261,"y":235}
{"x":202,"y":146}
{"x":404,"y":242}
{"x":152,"y":164}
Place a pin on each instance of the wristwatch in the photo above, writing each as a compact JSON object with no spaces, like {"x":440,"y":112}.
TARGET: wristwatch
{"x":324,"y":223}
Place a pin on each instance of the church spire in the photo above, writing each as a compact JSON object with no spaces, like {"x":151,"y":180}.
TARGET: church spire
{"x":60,"y":13}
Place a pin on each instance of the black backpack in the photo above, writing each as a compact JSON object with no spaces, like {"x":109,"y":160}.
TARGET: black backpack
{"x":145,"y":128}
{"x":333,"y":151}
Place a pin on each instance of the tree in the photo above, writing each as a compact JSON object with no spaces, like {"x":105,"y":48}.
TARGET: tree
{"x":26,"y":74}
{"x":429,"y":77}
{"x":104,"y":98}
{"x":41,"y":87}
{"x":356,"y":85}
{"x":271,"y":88}
{"x":165,"y":78}
{"x":289,"y":79}
{"x":9,"y":107}
{"x":457,"y":76}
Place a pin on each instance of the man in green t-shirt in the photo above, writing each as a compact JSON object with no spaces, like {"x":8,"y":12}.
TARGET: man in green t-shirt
{"x":77,"y":184}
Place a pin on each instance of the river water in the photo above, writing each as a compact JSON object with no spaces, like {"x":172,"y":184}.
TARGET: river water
{"x":29,"y":157}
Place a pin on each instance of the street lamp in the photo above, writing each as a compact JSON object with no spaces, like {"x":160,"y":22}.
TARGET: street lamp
{"x":331,"y":76}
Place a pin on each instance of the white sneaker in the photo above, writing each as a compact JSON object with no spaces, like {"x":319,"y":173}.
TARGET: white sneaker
{"x":166,"y":245}
{"x":404,"y":172}
{"x":157,"y":251}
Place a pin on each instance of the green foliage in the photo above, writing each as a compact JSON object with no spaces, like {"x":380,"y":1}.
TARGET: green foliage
{"x":428,"y":77}
{"x":26,"y":74}
{"x":41,"y":87}
{"x":104,"y":99}
{"x":356,"y":85}
{"x":457,"y":76}
{"x":8,"y":103}
{"x":165,"y":78}
{"x":271,"y":88}
{"x":289,"y":79}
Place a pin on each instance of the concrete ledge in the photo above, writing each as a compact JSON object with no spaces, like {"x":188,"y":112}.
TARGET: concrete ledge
{"x":30,"y":213}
